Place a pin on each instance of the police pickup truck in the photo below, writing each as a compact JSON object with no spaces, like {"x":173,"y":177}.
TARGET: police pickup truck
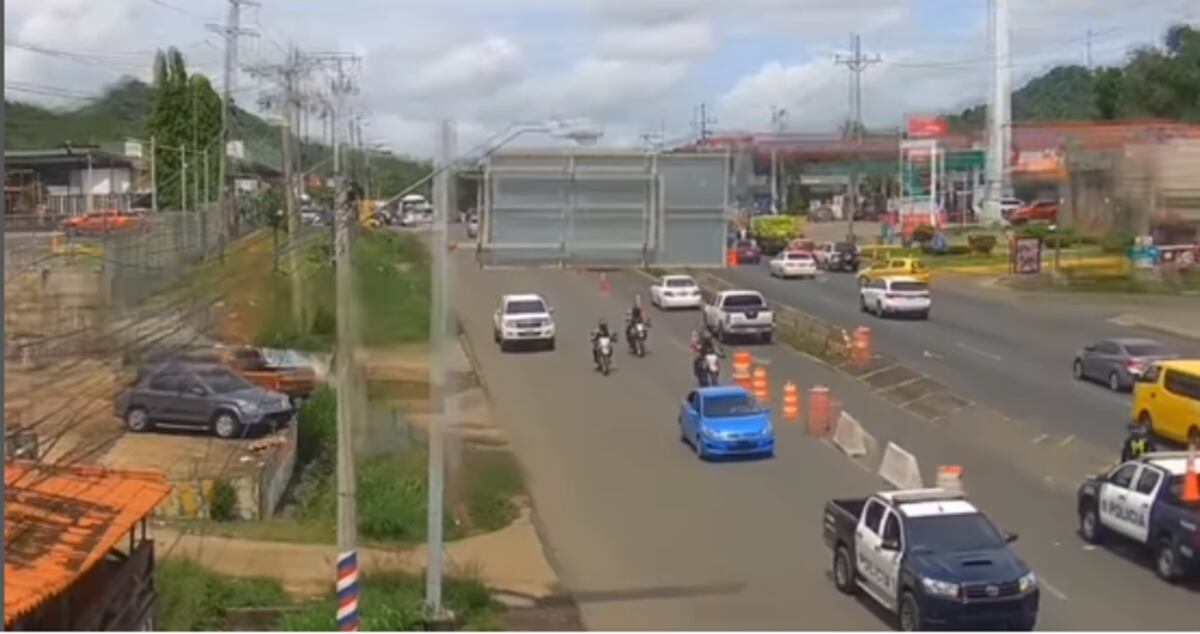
{"x":932,"y":558}
{"x":1140,"y":500}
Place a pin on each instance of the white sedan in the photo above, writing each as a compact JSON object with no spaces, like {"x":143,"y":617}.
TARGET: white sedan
{"x":894,"y":296}
{"x":794,"y":264}
{"x":676,"y":291}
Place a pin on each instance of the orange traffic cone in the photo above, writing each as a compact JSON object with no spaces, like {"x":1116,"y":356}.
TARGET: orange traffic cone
{"x":1191,"y":482}
{"x":603,"y":283}
{"x":791,"y":402}
{"x":741,"y":369}
{"x":760,"y":385}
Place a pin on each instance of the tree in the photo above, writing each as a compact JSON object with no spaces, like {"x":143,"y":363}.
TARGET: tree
{"x":186,"y":113}
{"x":1109,"y":86}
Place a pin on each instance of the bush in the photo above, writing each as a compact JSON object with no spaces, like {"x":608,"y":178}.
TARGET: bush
{"x":982,"y":244}
{"x":397,"y":604}
{"x":223,"y":505}
{"x":951,"y":249}
{"x":193,"y":598}
{"x":316,"y":431}
{"x":923,"y":234}
{"x":1116,"y":242}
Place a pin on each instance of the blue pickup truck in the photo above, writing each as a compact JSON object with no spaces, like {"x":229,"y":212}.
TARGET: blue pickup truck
{"x":1140,"y":501}
{"x":931,"y":558}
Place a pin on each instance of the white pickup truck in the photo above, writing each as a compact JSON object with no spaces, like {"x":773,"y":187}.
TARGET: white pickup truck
{"x":739,"y":313}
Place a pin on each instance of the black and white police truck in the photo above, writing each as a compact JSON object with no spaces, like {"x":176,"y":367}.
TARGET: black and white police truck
{"x":932,"y":558}
{"x":1141,"y":500}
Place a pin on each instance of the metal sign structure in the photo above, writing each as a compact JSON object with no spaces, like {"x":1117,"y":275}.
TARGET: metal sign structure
{"x":604,"y":208}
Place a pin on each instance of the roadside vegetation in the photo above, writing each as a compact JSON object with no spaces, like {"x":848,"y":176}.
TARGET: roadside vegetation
{"x":193,"y":598}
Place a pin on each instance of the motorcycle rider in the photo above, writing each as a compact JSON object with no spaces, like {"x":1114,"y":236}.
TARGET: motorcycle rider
{"x":1140,"y":441}
{"x":601,"y":330}
{"x":703,"y":345}
{"x":635,"y":317}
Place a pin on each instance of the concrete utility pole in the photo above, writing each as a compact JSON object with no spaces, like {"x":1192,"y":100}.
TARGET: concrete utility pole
{"x":703,"y":121}
{"x":442,"y":331}
{"x":230,"y":31}
{"x":183,"y":201}
{"x":999,"y":113}
{"x":778,"y":125}
{"x":153,"y":175}
{"x":857,"y":64}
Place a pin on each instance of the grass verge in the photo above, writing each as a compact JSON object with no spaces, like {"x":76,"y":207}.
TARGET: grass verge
{"x":193,"y":598}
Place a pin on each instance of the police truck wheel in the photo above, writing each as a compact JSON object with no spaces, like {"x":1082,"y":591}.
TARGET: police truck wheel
{"x":1166,"y":561}
{"x":843,"y":571}
{"x":910,"y":613}
{"x":1089,"y":525}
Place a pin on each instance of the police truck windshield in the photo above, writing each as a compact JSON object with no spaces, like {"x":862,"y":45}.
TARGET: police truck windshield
{"x":951,"y":533}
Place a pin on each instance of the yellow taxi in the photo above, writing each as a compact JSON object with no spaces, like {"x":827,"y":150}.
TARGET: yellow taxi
{"x":895,"y":267}
{"x":1166,"y":398}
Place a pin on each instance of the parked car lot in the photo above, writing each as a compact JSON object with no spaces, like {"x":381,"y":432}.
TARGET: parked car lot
{"x":200,"y":396}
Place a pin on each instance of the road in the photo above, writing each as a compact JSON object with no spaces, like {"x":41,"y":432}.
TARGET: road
{"x":647,"y":537}
{"x":1014,"y":358}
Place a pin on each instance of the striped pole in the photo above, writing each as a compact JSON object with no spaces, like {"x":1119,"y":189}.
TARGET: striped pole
{"x":347,"y":591}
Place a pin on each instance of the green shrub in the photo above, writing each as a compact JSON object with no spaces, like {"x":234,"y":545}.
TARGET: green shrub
{"x":950,"y":249}
{"x":1116,"y":242}
{"x":223,"y":505}
{"x":492,"y":481}
{"x":316,"y":426}
{"x":193,"y":598}
{"x":982,"y":244}
{"x":923,"y":234}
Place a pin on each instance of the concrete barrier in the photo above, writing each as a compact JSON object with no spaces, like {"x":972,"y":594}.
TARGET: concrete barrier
{"x":849,"y":436}
{"x":900,"y":468}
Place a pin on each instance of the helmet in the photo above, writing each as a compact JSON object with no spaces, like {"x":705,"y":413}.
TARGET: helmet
{"x":705,"y":336}
{"x":603,"y":324}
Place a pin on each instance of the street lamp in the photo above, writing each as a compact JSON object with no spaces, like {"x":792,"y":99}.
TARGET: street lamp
{"x":443,"y":332}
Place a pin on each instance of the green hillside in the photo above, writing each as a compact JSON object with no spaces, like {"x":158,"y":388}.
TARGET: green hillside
{"x":123,"y":110}
{"x":1160,"y":82}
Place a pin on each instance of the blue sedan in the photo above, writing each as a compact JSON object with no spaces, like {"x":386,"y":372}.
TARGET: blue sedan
{"x":725,"y":421}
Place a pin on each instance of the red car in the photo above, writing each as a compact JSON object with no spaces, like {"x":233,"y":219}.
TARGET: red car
{"x":1042,"y":210}
{"x":102,"y":222}
{"x":747,"y":252}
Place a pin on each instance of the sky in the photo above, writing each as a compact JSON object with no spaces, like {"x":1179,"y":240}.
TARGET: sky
{"x":634,"y":67}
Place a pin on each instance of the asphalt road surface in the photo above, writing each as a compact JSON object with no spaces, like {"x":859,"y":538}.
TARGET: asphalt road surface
{"x":1014,"y":358}
{"x":645,"y":536}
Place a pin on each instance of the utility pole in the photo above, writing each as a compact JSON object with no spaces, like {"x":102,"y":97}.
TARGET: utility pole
{"x":183,"y":178}
{"x":999,"y":112}
{"x":226,"y":195}
{"x":703,"y":121}
{"x":778,"y":125}
{"x":153,"y":175}
{"x":442,"y":331}
{"x":857,"y":64}
{"x":348,"y":380}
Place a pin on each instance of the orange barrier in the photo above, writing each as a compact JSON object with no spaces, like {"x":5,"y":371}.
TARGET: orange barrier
{"x":760,"y":385}
{"x":949,"y":477}
{"x":860,"y":346}
{"x":741,"y":369}
{"x":1191,"y":482}
{"x":820,"y":410}
{"x":731,"y":258}
{"x":791,"y":402}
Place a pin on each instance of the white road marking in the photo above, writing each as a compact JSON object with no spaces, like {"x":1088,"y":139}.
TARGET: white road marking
{"x":930,"y":355}
{"x":1066,"y":441}
{"x":1040,"y":439}
{"x":760,"y":361}
{"x":982,"y":353}
{"x":1051,"y":589}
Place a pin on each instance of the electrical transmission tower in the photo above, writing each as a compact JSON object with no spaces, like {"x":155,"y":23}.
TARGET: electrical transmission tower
{"x":702,"y":122}
{"x":857,"y":63}
{"x":231,"y":31}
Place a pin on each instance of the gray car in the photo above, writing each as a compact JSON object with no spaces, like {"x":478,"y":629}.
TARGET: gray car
{"x":1118,"y":362}
{"x":200,"y":396}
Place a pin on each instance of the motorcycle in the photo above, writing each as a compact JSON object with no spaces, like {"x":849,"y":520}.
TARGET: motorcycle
{"x":709,"y":370}
{"x":637,"y":339}
{"x":604,"y":354}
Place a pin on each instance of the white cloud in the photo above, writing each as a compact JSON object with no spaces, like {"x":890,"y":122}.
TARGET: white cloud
{"x":662,"y":41}
{"x":468,"y":71}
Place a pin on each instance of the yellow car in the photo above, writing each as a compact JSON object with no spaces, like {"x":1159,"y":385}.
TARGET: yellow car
{"x":1166,"y":397}
{"x":895,"y":267}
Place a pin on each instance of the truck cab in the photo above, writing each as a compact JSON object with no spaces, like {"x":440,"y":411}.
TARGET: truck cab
{"x":1142,"y":501}
{"x":931,"y":558}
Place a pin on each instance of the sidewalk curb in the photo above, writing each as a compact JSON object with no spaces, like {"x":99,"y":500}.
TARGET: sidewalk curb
{"x":1138,"y":321}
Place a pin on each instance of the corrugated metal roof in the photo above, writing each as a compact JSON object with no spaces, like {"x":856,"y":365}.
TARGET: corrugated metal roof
{"x":60,"y":521}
